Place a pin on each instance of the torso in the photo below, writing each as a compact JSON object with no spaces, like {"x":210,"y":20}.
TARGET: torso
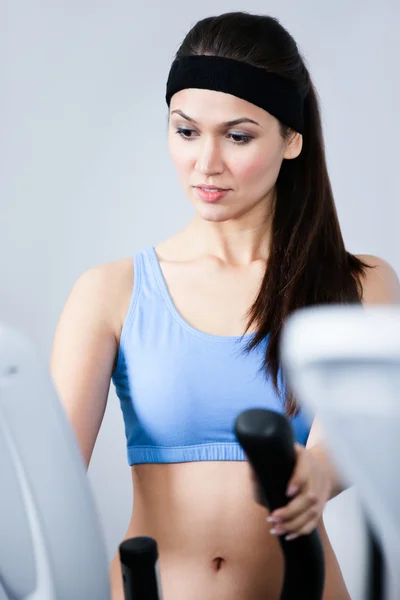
{"x":213,"y":540}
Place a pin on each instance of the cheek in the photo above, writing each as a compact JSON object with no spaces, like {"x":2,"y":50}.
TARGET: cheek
{"x":261,"y":167}
{"x":252,"y":168}
{"x":180,"y":158}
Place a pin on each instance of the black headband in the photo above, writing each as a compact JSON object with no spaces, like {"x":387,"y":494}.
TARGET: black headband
{"x":269,"y":91}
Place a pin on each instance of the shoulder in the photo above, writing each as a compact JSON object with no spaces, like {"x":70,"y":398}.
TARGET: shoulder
{"x":380,"y":282}
{"x":107,"y":278}
{"x":109,"y":286}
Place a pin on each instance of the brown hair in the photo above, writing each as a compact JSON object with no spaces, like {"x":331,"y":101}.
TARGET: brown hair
{"x":308,"y":263}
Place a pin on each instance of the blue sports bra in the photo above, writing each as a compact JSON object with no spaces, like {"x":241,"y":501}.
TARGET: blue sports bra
{"x":181,"y":389}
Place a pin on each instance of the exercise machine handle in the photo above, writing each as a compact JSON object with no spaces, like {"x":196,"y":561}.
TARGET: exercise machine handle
{"x":139,"y":563}
{"x":268,"y":442}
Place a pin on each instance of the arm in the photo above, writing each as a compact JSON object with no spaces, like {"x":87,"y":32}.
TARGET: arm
{"x":84,"y":352}
{"x":380,"y":286}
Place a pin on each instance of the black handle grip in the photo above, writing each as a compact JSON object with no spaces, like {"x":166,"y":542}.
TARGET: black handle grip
{"x":139,"y":557}
{"x":267,"y":440}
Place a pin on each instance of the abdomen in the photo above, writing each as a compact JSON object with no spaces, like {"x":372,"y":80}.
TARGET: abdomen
{"x":213,"y":541}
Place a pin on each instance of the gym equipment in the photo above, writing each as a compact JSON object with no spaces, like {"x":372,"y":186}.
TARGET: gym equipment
{"x":344,"y":365}
{"x":51,"y":543}
{"x":140,"y":573}
{"x":268,"y":442}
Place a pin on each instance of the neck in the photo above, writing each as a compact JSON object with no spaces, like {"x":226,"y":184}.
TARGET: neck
{"x":232,"y":243}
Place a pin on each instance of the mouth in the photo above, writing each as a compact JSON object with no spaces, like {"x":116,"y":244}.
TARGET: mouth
{"x":211,"y":195}
{"x":211,"y":188}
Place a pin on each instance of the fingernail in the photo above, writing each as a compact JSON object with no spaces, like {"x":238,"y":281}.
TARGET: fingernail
{"x":292,"y":490}
{"x":291,"y":536}
{"x":276,"y":531}
{"x":273,"y":519}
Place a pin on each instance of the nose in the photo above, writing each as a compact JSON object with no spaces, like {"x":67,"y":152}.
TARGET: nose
{"x":209,"y":159}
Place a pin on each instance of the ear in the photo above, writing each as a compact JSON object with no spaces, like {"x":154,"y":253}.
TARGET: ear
{"x":293,"y":145}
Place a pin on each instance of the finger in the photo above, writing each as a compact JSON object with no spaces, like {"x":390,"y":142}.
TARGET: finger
{"x":302,"y":525}
{"x":303,"y":522}
{"x":309,"y":528}
{"x":300,"y":473}
{"x":299,"y":505}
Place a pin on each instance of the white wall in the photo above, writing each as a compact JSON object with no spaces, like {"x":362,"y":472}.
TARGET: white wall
{"x":85,"y":175}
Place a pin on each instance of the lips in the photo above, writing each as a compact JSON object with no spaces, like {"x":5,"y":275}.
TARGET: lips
{"x":211,"y":196}
{"x":211,"y":188}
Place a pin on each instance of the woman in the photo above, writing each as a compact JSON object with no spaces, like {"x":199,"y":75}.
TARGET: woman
{"x":183,"y":329}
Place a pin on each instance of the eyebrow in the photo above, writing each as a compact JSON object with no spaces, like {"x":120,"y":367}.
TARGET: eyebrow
{"x":225,"y":124}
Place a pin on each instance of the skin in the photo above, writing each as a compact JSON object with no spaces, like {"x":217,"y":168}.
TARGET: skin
{"x":213,"y":538}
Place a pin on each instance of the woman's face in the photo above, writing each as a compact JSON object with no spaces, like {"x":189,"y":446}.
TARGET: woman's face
{"x":244,"y":158}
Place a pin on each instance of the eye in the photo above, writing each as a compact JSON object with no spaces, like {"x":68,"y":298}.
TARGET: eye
{"x":182,"y":130}
{"x":244,"y":139}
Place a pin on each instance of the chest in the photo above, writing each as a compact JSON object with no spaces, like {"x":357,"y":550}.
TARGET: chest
{"x":182,"y":386}
{"x":213,"y":299}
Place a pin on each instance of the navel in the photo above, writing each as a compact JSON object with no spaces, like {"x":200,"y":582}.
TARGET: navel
{"x":218,"y":563}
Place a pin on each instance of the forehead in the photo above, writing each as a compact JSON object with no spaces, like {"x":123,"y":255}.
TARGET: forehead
{"x":210,"y":106}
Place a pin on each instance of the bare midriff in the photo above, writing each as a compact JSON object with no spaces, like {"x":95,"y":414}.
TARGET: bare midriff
{"x":213,"y":540}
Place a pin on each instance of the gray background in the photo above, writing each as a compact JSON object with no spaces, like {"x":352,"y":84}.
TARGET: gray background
{"x":85,"y":175}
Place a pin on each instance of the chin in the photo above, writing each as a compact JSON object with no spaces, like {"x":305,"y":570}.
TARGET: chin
{"x":214,"y":214}
{"x":215,"y":219}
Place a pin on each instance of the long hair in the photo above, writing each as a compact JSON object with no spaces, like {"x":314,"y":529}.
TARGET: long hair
{"x":308,"y":263}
